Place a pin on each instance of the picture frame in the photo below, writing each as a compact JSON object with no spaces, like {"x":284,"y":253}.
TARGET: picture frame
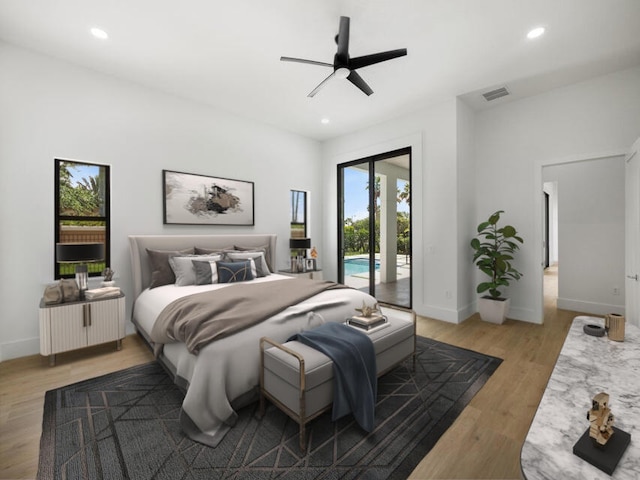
{"x":310,"y":265}
{"x":194,"y":199}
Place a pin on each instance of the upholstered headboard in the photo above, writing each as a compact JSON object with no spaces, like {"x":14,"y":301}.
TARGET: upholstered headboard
{"x":141,"y":269}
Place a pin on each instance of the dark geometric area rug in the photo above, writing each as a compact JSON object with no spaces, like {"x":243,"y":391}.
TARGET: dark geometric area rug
{"x":124,"y":425}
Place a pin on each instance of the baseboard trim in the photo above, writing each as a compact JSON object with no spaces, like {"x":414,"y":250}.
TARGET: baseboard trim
{"x":444,"y":314}
{"x":19,"y":348}
{"x":589,"y":307}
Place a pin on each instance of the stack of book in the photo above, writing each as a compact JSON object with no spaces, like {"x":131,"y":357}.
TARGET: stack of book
{"x":104,"y":292}
{"x":367,"y":323}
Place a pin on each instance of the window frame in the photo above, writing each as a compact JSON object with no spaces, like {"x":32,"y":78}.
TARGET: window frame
{"x":304,"y":210}
{"x":60,"y":218}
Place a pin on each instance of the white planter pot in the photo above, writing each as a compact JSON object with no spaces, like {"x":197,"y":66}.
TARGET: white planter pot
{"x":493,"y":311}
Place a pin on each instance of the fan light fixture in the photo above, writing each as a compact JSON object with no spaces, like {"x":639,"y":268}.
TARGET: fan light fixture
{"x":342,"y":73}
{"x":344,"y":67}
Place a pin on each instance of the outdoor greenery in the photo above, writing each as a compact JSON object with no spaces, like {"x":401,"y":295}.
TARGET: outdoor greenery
{"x":81,"y":205}
{"x":85,"y":198}
{"x":494,"y":248}
{"x":356,"y":232}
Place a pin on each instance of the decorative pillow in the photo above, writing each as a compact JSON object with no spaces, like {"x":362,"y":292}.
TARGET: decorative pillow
{"x":206,"y":271}
{"x":262,"y":270}
{"x":183,"y":268}
{"x":234,"y":272}
{"x":262,"y":248}
{"x":207,"y":250}
{"x":161,"y":273}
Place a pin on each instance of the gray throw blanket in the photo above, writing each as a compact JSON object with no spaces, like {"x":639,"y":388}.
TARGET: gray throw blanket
{"x":354,"y":369}
{"x":199,"y":319}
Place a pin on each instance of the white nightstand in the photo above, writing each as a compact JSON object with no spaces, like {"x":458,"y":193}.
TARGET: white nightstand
{"x":73,"y":325}
{"x":312,"y":274}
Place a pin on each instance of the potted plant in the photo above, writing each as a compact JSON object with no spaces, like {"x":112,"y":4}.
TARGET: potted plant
{"x":494,"y":247}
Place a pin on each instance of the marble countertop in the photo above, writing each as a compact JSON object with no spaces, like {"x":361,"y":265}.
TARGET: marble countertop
{"x":586,"y":366}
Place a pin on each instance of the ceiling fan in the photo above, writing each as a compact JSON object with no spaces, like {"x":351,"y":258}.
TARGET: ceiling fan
{"x":344,"y":66}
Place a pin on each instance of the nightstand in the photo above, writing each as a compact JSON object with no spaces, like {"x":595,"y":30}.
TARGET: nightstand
{"x":312,"y":274}
{"x":73,"y":325}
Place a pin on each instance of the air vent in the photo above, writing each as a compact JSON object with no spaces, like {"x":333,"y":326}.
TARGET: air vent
{"x":497,"y":93}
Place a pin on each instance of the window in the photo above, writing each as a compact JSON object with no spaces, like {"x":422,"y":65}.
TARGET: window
{"x":298,"y":214}
{"x":82,"y":211}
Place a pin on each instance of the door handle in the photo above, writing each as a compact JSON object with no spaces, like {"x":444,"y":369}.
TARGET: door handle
{"x":633,"y":277}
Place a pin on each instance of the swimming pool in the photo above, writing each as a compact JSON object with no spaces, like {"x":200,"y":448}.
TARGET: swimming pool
{"x":354,"y":266}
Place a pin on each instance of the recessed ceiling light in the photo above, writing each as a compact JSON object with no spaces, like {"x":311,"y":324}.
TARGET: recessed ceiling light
{"x":535,"y":33}
{"x":324,"y":121}
{"x":99,"y":33}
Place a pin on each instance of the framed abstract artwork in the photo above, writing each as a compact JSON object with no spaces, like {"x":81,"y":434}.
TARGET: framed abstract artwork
{"x":191,"y":199}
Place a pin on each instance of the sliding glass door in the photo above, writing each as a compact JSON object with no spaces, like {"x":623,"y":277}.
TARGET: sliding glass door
{"x":375,"y":226}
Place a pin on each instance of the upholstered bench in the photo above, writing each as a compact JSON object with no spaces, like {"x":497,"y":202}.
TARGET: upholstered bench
{"x":299,"y":379}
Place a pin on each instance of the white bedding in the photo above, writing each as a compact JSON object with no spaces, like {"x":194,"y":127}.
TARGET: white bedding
{"x":225,"y":373}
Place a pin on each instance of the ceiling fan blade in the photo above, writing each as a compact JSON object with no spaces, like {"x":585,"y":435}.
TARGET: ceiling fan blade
{"x":343,"y":41}
{"x":367,"y":60}
{"x":359,"y":82}
{"x":322,"y":84}
{"x":302,"y":60}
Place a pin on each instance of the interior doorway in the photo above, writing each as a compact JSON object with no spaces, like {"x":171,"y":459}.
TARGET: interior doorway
{"x":374,"y":226}
{"x":550,"y":241}
{"x":586,"y":234}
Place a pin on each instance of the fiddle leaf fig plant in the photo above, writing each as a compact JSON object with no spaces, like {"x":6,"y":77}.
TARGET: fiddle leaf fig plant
{"x":494,"y":247}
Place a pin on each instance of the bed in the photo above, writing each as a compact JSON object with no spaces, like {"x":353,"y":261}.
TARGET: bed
{"x":222,"y":376}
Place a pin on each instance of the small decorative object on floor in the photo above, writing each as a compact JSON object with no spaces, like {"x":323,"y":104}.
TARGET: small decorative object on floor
{"x":602,"y":445}
{"x":594,"y":330}
{"x":601,"y":419}
{"x":614,"y":325}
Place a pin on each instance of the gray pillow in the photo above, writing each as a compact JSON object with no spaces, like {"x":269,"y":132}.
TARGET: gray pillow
{"x":161,"y":273}
{"x":262,"y":248}
{"x":207,"y":250}
{"x":183,"y":268}
{"x":206,"y":271}
{"x":262,"y":270}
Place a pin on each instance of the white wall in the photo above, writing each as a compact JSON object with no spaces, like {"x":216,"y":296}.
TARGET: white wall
{"x":472,"y":164}
{"x":585,"y":120}
{"x":50,"y":109}
{"x":431,"y":134}
{"x":466,"y":138}
{"x":591,"y":240}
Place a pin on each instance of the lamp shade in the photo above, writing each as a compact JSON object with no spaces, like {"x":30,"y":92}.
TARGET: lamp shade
{"x":79,"y":252}
{"x":299,"y":243}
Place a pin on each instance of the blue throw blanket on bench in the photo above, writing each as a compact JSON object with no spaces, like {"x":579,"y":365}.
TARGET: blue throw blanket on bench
{"x":354,"y":369}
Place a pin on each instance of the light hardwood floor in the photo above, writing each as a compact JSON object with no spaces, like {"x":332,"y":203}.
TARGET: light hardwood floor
{"x":484,"y":442}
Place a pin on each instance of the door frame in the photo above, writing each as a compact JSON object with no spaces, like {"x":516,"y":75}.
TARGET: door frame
{"x":370,"y":160}
{"x":538,"y":214}
{"x":632,"y":254}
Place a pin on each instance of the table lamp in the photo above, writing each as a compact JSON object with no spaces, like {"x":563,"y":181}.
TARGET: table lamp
{"x":80,"y":253}
{"x":299,"y":244}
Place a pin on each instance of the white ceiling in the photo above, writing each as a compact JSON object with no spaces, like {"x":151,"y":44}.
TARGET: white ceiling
{"x":226,"y":53}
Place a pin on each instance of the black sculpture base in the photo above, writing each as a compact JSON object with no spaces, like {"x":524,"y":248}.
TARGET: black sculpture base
{"x":607,"y":457}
